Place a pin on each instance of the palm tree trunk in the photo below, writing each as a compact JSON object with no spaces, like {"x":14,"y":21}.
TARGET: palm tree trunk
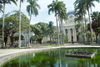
{"x":3,"y":26}
{"x":29,"y":31}
{"x":83,"y":31}
{"x":60,"y":30}
{"x":90,"y":27}
{"x":50,"y":40}
{"x":20,"y":25}
{"x":86,"y":29}
{"x":57,"y":31}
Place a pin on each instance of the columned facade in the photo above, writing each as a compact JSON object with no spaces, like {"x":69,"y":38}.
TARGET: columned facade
{"x":70,"y":32}
{"x":69,"y":27}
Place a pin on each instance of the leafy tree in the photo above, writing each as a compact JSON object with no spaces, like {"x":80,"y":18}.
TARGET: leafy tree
{"x":96,"y":23}
{"x":11,"y":26}
{"x":40,"y":30}
{"x":6,"y":30}
{"x":4,"y":2}
{"x":51,"y":29}
{"x":32,"y":38}
{"x":32,"y":8}
{"x":16,"y":37}
{"x":89,"y":34}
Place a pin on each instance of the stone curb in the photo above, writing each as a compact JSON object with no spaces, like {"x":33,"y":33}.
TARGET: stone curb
{"x":5,"y":58}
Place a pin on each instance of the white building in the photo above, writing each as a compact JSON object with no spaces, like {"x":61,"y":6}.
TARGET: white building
{"x":25,"y":34}
{"x":69,"y":27}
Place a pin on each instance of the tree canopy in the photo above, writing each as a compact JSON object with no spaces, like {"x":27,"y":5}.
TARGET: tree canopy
{"x":12,"y":24}
{"x":40,"y":30}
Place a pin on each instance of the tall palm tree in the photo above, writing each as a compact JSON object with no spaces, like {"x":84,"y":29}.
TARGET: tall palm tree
{"x":20,"y":23}
{"x":4,"y":2}
{"x":56,"y":6}
{"x":89,"y":4}
{"x":95,"y":22}
{"x":32,"y":8}
{"x":80,"y":11}
{"x":50,"y":29}
{"x":62,"y":16}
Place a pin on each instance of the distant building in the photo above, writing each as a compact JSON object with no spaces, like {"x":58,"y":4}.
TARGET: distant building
{"x":25,"y":34}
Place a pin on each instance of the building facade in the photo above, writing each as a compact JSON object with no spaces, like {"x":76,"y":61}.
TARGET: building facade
{"x":69,"y":27}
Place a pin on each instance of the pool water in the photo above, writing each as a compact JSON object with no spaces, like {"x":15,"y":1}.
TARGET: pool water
{"x":55,"y":58}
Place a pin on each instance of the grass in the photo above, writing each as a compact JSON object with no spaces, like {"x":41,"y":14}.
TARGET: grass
{"x":94,"y":43}
{"x":46,"y":44}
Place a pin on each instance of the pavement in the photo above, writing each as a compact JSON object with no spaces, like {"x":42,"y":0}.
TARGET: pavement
{"x":7,"y":54}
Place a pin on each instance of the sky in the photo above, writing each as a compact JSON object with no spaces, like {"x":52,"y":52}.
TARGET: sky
{"x":43,"y":15}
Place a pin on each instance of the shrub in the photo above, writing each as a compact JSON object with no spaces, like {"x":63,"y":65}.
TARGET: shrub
{"x":66,"y":39}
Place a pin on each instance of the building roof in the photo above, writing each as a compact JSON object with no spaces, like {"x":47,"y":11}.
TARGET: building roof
{"x":71,"y":12}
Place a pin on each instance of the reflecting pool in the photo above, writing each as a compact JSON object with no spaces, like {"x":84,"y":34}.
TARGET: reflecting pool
{"x":55,"y":58}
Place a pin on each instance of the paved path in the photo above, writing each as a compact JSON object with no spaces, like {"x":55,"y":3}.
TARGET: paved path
{"x":6,"y":54}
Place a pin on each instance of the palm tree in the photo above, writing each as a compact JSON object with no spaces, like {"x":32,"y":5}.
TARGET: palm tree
{"x":62,"y":16}
{"x":20,"y":23}
{"x":89,"y":4}
{"x":95,"y":22}
{"x":1,"y":7}
{"x":56,"y":6}
{"x":50,"y":29}
{"x":4,"y":2}
{"x":80,"y":12}
{"x":32,"y":8}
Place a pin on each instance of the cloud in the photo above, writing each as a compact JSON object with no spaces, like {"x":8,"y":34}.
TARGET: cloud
{"x":43,"y":12}
{"x":97,"y":6}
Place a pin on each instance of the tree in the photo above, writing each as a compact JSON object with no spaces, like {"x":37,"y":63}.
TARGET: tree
{"x":1,"y":7}
{"x":11,"y":26}
{"x":51,"y":29}
{"x":1,"y":10}
{"x":32,"y":8}
{"x":16,"y":37}
{"x":96,"y":23}
{"x":32,"y":38}
{"x":56,"y":6}
{"x":6,"y":29}
{"x":89,"y":35}
{"x":62,"y":16}
{"x":20,"y":23}
{"x":80,"y":12}
{"x":40,"y":30}
{"x":87,"y":5}
{"x":4,"y":2}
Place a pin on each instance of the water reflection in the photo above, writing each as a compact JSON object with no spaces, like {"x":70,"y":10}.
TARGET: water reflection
{"x":55,"y":58}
